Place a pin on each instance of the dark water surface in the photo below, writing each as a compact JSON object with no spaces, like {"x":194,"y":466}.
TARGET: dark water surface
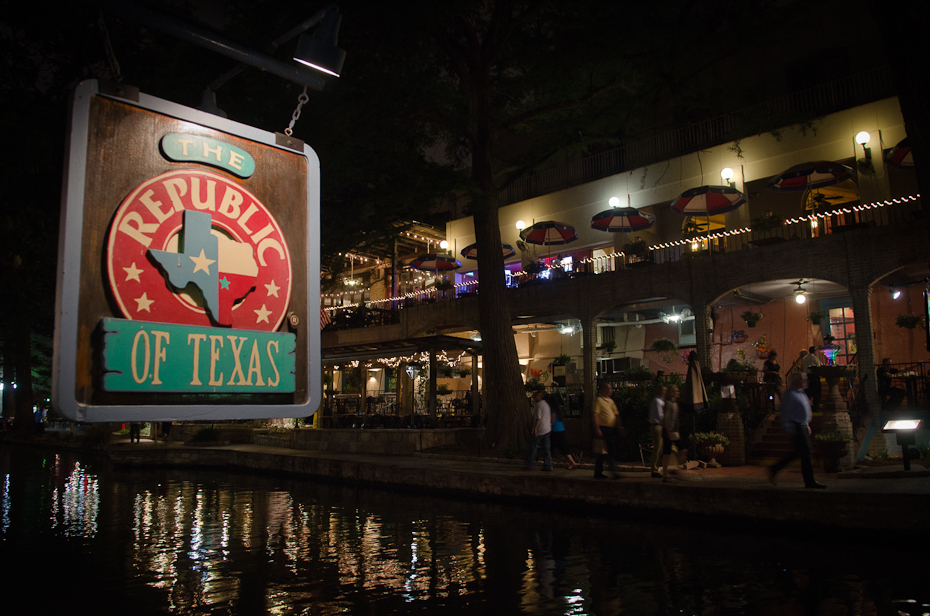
{"x":91,"y":539}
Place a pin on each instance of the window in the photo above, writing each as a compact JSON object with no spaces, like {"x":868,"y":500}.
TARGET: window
{"x":841,"y":325}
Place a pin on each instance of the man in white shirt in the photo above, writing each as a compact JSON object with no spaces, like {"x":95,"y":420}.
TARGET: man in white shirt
{"x":542,"y":426}
{"x":813,"y":388}
{"x":656,"y":417}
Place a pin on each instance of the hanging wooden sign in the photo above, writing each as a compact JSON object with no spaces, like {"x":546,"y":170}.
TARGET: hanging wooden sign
{"x":183,"y":283}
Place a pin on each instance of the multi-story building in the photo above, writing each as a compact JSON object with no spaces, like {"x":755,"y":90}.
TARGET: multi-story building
{"x":853,"y":245}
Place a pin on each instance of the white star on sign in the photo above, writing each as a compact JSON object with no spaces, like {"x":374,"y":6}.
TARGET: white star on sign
{"x":272,"y":289}
{"x":262,"y":314}
{"x":132,"y":273}
{"x":202,"y":263}
{"x":143,"y":303}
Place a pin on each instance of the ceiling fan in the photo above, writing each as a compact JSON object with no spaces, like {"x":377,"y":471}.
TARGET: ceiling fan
{"x":815,"y":199}
{"x":800,"y":294}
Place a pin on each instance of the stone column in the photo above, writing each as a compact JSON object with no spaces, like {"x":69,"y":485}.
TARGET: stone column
{"x":703,"y":334}
{"x":588,"y":353}
{"x":432,"y":383}
{"x":862,"y":313}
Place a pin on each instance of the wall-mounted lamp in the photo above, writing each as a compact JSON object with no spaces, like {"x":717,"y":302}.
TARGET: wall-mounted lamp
{"x":727,"y":175}
{"x":614,"y":202}
{"x":521,"y":225}
{"x":444,"y":245}
{"x":862,"y":138}
{"x":895,"y":293}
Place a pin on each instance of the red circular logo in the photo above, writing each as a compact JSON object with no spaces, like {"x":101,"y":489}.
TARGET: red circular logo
{"x":195,"y":248}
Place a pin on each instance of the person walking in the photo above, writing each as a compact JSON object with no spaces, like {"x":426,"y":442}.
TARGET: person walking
{"x":557,"y":436}
{"x":656,"y":415}
{"x":671,"y":434}
{"x":814,"y":388}
{"x":796,"y":419}
{"x":542,"y":426}
{"x":606,"y":425}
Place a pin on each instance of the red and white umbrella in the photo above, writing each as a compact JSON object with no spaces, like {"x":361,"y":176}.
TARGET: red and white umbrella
{"x":810,"y":175}
{"x":622,"y":220}
{"x":471,"y":251}
{"x":432,"y":262}
{"x":900,"y":155}
{"x":708,"y":201}
{"x":549,"y":233}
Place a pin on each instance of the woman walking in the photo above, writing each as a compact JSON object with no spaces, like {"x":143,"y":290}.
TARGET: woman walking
{"x":670,"y":433}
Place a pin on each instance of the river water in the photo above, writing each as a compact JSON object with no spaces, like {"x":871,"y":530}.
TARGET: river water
{"x":84,"y":536}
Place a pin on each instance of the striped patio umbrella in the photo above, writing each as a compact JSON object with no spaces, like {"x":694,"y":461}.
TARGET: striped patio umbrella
{"x":549,"y":233}
{"x":900,"y":155}
{"x":622,"y":220}
{"x":810,"y":175}
{"x":708,"y":201}
{"x":432,"y":262}
{"x":471,"y":251}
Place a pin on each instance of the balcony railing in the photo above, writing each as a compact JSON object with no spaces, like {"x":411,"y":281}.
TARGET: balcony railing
{"x":798,"y":107}
{"x":808,"y":228}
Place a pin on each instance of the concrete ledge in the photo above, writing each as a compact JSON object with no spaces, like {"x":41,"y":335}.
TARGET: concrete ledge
{"x":886,"y":472}
{"x":731,"y":498}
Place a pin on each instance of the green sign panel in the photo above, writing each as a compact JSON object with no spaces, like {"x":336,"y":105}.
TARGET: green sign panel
{"x":181,"y":147}
{"x":160,"y":357}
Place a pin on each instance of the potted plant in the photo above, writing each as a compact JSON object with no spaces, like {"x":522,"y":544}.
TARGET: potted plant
{"x":635,"y":248}
{"x":738,"y":336}
{"x":815,"y":316}
{"x":711,"y":445}
{"x":535,"y":267}
{"x":442,"y":390}
{"x":444,"y":285}
{"x":769,"y":221}
{"x":751,"y":317}
{"x":464,"y":372}
{"x":909,"y":321}
{"x":736,"y":371}
{"x":663,"y":345}
{"x":831,"y":446}
{"x":561,"y":360}
{"x":609,"y":346}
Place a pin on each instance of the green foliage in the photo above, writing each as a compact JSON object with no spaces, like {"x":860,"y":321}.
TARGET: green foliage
{"x":734,"y":365}
{"x":751,"y":317}
{"x":909,"y":321}
{"x":662,"y":345}
{"x":816,"y":315}
{"x":206,"y":435}
{"x":705,"y":438}
{"x":640,"y":372}
{"x":609,"y":346}
{"x":443,"y":389}
{"x":832,"y":437}
{"x":561,"y":360}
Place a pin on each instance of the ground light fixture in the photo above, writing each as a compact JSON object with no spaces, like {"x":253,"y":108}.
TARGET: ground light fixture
{"x":320,"y":51}
{"x":905,"y":430}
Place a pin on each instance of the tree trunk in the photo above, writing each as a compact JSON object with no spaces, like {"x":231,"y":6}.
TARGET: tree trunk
{"x":506,"y":401}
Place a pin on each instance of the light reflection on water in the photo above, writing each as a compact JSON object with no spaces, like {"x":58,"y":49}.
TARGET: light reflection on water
{"x":209,"y":542}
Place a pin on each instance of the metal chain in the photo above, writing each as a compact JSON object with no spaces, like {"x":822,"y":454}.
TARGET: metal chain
{"x":303,"y":98}
{"x":111,"y":57}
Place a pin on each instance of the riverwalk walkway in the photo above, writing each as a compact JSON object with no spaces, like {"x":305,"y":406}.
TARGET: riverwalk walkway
{"x":883,"y":497}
